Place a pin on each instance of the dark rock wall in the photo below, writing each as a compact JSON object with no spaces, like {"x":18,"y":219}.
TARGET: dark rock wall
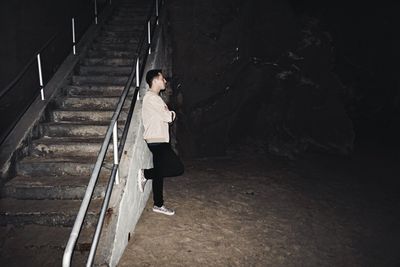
{"x":251,"y":71}
{"x":366,"y":41}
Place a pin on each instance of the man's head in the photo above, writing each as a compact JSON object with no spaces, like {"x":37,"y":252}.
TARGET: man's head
{"x":156,"y":80}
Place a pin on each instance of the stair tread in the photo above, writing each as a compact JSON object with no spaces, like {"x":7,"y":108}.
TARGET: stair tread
{"x":72,"y":139}
{"x":60,"y":159}
{"x":92,"y":97}
{"x":122,"y":35}
{"x":81,"y":123}
{"x":83,"y":110}
{"x":109,"y":58}
{"x":106,"y":67}
{"x":31,"y":236}
{"x":49,"y":181}
{"x":101,"y":75}
{"x":88,"y":86}
{"x":55,"y":206}
{"x":102,"y":83}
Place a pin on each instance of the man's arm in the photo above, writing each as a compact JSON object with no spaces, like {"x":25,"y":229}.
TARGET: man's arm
{"x":160,"y":108}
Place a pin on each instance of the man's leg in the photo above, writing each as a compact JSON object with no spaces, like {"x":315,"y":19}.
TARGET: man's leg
{"x":153,"y":173}
{"x":158,"y":186}
{"x":169,"y":163}
{"x":161,"y":161}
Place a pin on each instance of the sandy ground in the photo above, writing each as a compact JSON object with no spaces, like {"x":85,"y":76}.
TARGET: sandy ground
{"x":253,"y":210}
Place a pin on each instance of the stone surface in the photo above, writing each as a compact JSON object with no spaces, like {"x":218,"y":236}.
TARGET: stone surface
{"x":254,"y":70}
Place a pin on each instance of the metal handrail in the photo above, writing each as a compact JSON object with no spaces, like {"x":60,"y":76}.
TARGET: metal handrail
{"x":111,"y":131}
{"x":25,"y":69}
{"x":33,"y":59}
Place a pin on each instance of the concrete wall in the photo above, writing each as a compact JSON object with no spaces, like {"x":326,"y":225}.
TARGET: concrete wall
{"x":127,"y":203}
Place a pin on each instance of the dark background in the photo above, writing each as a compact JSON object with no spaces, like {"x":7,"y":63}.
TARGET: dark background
{"x":365,"y":41}
{"x":285,"y":76}
{"x":25,"y":27}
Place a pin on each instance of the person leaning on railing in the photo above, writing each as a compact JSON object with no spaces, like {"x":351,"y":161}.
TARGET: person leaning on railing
{"x":156,"y":118}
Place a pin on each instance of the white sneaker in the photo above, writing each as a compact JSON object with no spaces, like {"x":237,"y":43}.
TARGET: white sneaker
{"x":163,"y":210}
{"x":141,"y":180}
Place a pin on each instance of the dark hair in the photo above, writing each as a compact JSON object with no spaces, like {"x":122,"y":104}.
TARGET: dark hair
{"x":151,"y":74}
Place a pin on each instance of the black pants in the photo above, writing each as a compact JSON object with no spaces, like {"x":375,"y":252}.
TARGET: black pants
{"x":165,"y":164}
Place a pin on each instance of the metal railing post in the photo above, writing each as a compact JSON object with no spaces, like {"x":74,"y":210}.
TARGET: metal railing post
{"x":95,"y":11}
{"x":73,"y":37}
{"x":149,"y":35}
{"x":115,"y":144}
{"x":157,"y":12}
{"x":40,"y":76}
{"x":137,"y":76}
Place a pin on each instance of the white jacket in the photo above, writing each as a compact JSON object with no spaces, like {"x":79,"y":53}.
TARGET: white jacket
{"x":156,"y":116}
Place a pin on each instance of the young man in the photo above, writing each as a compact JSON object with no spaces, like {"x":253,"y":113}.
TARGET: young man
{"x":156,"y":119}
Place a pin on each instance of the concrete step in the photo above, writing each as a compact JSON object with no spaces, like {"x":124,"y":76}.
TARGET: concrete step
{"x":74,"y":129}
{"x":85,"y":115}
{"x":122,"y":34}
{"x":50,"y":187}
{"x":91,"y":103}
{"x":108,"y":61}
{"x":131,"y":9}
{"x":119,"y":47}
{"x":132,"y":15}
{"x":117,"y":40}
{"x":94,"y":90}
{"x":127,"y":22}
{"x":111,"y":53}
{"x":128,"y":15}
{"x":68,"y":146}
{"x":119,"y":36}
{"x":99,"y":79}
{"x":105,"y":70}
{"x":59,"y":166}
{"x":123,"y":28}
{"x":45,"y":212}
{"x":35,"y":257}
{"x":33,"y":236}
{"x":38,"y":245}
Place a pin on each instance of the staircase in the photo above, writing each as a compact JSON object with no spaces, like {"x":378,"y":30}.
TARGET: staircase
{"x":39,"y":205}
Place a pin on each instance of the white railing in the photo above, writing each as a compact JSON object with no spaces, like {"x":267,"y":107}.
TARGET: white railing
{"x":39,"y":58}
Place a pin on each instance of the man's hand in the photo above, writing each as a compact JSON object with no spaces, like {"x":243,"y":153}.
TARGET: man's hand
{"x":173,"y":115}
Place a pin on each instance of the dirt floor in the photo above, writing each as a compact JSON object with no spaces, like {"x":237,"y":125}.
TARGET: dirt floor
{"x":253,"y":210}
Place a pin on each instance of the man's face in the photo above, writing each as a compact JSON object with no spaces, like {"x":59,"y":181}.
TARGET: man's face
{"x":160,"y":82}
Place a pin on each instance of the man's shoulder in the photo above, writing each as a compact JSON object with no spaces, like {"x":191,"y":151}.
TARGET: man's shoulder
{"x":152,"y":97}
{"x":149,"y":94}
